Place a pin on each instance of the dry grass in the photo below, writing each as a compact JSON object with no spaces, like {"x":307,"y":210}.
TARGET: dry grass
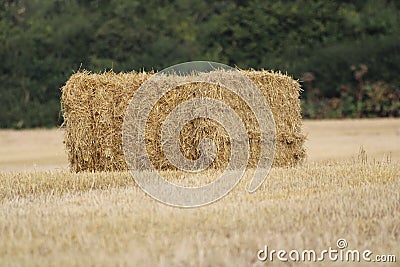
{"x":56,"y":218}
{"x":341,"y":139}
{"x":32,"y":149}
{"x":63,"y":219}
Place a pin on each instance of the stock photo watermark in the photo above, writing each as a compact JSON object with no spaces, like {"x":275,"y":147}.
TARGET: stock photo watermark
{"x":161,"y":84}
{"x":340,"y":253}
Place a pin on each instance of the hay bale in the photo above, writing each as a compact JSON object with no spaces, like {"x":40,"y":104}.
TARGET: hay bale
{"x":94,"y":107}
{"x":282,"y":93}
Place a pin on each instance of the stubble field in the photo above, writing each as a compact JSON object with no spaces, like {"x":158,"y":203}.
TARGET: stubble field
{"x":348,"y":188}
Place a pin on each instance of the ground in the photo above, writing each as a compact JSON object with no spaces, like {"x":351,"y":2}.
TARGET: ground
{"x":347,"y":189}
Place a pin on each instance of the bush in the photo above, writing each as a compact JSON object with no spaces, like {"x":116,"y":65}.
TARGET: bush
{"x":365,"y":100}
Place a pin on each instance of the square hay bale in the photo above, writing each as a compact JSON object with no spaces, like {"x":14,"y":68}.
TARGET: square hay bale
{"x":94,"y":107}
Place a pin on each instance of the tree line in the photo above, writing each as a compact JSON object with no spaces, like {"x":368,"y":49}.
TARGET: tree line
{"x":346,"y":53}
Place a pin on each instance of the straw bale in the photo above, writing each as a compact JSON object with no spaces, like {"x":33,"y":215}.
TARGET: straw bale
{"x":94,"y":107}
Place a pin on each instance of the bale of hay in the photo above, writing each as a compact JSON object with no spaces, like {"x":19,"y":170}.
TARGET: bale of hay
{"x":282,"y":93}
{"x":94,"y":107}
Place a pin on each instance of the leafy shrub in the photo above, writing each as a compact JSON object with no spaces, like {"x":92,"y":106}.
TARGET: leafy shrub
{"x":366,"y":99}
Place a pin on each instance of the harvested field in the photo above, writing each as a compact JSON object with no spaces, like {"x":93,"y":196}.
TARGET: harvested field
{"x":326,"y":140}
{"x":53,"y":217}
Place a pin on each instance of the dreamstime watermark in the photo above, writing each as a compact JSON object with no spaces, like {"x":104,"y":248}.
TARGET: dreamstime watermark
{"x":339,"y":253}
{"x":156,"y":88}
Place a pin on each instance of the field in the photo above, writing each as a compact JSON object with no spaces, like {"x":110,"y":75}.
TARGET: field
{"x":349,"y":188}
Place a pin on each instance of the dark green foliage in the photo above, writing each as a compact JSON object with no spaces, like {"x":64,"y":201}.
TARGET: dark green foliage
{"x":364,"y":100}
{"x":42,"y":42}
